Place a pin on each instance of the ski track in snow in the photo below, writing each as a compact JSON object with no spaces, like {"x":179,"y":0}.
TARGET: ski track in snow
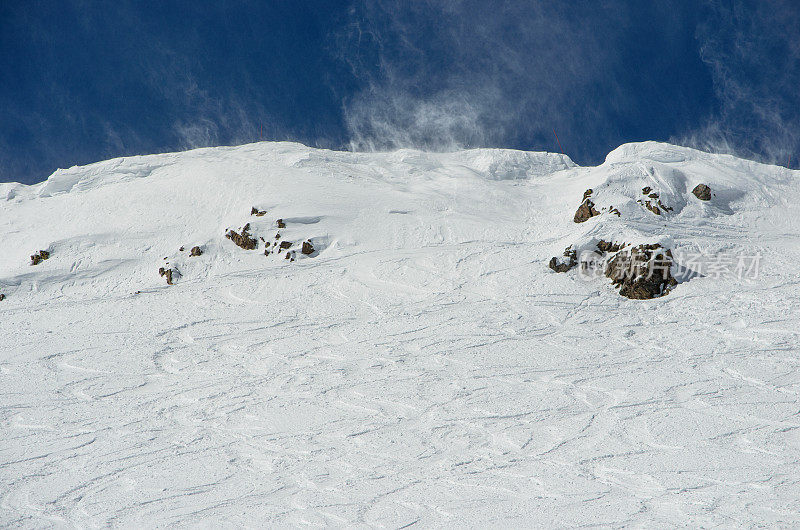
{"x":434,"y":373}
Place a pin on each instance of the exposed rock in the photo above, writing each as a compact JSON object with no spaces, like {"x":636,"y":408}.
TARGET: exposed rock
{"x":702,"y":192}
{"x":243,"y":240}
{"x":2,"y":297}
{"x":281,"y":224}
{"x":286,"y":244}
{"x":308,"y":248}
{"x":266,"y":252}
{"x":646,"y":190}
{"x":39,"y":257}
{"x":652,"y":207}
{"x":169,"y":276}
{"x":559,"y":264}
{"x":161,"y":271}
{"x":587,"y":193}
{"x":196,"y":251}
{"x":278,"y":235}
{"x":258,"y":213}
{"x":655,"y":206}
{"x":609,"y":247}
{"x":642,"y":272}
{"x":614,"y":211}
{"x":653,"y":195}
{"x":180,"y":249}
{"x":585,"y":210}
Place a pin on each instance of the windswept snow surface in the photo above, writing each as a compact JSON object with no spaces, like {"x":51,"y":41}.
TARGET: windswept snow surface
{"x":424,"y":366}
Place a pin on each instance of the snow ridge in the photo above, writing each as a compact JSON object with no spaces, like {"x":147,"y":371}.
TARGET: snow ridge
{"x":422,"y":365}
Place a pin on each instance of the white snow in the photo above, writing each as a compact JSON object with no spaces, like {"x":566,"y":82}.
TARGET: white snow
{"x":424,"y":368}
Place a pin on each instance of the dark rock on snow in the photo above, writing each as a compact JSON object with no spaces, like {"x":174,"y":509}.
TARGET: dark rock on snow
{"x":652,"y":207}
{"x":258,"y":213}
{"x":196,"y":251}
{"x":702,"y":192}
{"x":609,"y":247}
{"x":559,"y":264}
{"x":166,"y":272}
{"x":308,"y":248}
{"x":586,"y":209}
{"x":281,"y":224}
{"x":39,"y":257}
{"x":642,"y":272}
{"x":243,"y":240}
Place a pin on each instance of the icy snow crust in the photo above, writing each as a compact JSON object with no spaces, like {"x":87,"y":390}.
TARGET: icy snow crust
{"x":423,"y":367}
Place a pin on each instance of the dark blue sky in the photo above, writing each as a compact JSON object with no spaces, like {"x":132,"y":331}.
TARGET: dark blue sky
{"x":82,"y":81}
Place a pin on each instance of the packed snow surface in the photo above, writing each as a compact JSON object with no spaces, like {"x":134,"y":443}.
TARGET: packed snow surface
{"x":422,"y":366}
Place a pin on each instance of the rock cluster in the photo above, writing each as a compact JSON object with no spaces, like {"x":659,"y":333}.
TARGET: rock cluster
{"x":641,"y":272}
{"x":258,"y":213}
{"x":196,"y":251}
{"x":39,"y":257}
{"x":560,"y":264}
{"x":586,"y":209}
{"x":243,"y":240}
{"x":652,"y":202}
{"x":166,"y":273}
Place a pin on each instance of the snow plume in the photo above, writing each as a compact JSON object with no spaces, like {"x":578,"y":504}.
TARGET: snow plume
{"x":466,"y":73}
{"x":753,"y":52}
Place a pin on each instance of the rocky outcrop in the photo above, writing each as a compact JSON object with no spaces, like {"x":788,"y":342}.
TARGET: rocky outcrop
{"x":307,"y":248}
{"x":258,"y":213}
{"x":2,"y":297}
{"x":607,"y":247}
{"x":641,"y":272}
{"x":586,"y":209}
{"x":565,"y":262}
{"x":196,"y":251}
{"x":168,"y":273}
{"x":653,"y":202}
{"x":285,"y":244}
{"x":39,"y":257}
{"x":702,"y":192}
{"x":243,"y":240}
{"x":280,"y":223}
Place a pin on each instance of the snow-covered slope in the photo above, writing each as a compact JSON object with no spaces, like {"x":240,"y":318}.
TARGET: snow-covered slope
{"x":422,"y":365}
